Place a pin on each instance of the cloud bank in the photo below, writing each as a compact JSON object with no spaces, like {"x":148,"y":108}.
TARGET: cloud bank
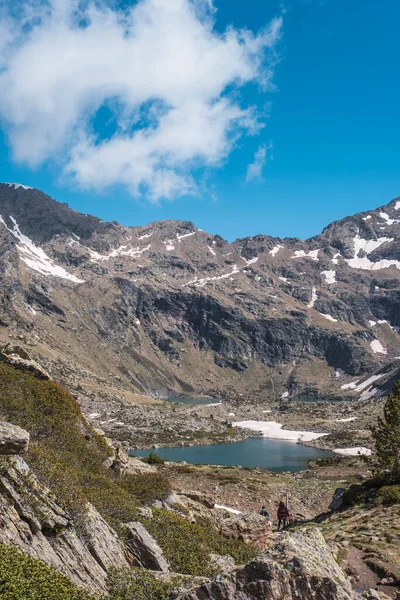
{"x":168,"y":80}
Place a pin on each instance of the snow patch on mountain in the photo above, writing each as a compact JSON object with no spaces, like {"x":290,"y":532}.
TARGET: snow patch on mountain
{"x":335,"y":258}
{"x":388,"y":220}
{"x":368,"y":246}
{"x":313,"y":254}
{"x":377,"y":347}
{"x":329,"y":317}
{"x":18,"y":185}
{"x":183,"y":236}
{"x":314,"y":297}
{"x":35,"y":258}
{"x":251,"y":261}
{"x":204,"y":280}
{"x":330,"y":276}
{"x":275,"y":250}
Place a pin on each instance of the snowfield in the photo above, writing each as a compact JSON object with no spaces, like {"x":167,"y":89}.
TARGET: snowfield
{"x":274,"y":431}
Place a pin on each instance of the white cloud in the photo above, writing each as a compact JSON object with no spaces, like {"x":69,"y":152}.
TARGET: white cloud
{"x":255,"y":169}
{"x":160,"y":66}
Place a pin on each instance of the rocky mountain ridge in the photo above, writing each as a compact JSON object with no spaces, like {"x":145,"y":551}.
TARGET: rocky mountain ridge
{"x":167,"y":309}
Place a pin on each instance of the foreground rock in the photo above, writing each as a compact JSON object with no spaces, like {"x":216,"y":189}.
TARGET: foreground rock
{"x":299,"y":566}
{"x":17,"y":357}
{"x":144,"y":548}
{"x":13,"y":439}
{"x":250,"y":528}
{"x":31,"y":520}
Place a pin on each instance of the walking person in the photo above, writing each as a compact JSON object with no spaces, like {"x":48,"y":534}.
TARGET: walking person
{"x":283,"y":515}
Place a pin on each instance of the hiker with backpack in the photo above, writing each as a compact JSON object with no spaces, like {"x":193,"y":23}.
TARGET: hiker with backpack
{"x":283,"y":516}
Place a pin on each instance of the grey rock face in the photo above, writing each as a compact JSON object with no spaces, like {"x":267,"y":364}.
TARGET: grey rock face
{"x":300,"y":565}
{"x":13,"y":439}
{"x":194,"y":296}
{"x":144,"y":548}
{"x":31,"y":520}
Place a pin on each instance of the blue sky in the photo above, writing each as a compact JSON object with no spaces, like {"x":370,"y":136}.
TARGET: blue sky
{"x":330,"y":134}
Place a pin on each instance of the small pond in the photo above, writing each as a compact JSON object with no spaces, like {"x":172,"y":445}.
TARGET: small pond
{"x":193,"y":400}
{"x":274,"y":455}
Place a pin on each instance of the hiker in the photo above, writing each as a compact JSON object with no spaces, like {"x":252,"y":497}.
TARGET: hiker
{"x":264,"y":512}
{"x":283,"y":515}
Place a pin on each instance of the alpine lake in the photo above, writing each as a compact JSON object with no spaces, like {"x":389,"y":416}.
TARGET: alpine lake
{"x":274,"y":455}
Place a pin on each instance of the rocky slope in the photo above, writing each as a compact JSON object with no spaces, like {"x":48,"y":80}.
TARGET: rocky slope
{"x":169,"y":309}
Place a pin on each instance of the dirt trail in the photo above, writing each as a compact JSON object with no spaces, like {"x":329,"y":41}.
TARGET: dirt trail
{"x":366,"y":578}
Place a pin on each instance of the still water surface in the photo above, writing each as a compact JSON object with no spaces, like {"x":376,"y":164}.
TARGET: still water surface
{"x":274,"y":455}
{"x":193,"y":400}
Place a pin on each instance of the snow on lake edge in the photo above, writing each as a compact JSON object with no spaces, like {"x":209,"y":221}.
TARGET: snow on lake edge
{"x":274,"y":431}
{"x":357,"y":450}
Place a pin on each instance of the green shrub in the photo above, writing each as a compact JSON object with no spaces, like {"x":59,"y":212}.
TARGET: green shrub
{"x":137,"y":584}
{"x":147,"y":487}
{"x":389,"y":494}
{"x":187,"y":546}
{"x":25,"y":578}
{"x":154,"y":459}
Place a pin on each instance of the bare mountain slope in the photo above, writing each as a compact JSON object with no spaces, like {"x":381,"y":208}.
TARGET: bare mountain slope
{"x":168,"y":308}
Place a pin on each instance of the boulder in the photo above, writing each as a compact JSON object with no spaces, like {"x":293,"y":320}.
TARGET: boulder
{"x":222,"y":563}
{"x":17,"y":357}
{"x":250,"y":528}
{"x":136,"y":467}
{"x":13,"y":439}
{"x":201,"y":498}
{"x":337,"y":499}
{"x":144,"y":548}
{"x":300,"y":565}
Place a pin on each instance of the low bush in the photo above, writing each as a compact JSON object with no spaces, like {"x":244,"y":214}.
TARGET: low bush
{"x":198,"y":540}
{"x":154,"y":459}
{"x":137,"y":584}
{"x":389,"y":494}
{"x":25,"y":578}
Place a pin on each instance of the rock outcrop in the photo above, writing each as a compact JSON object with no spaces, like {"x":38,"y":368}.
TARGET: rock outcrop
{"x":250,"y":528}
{"x":33,"y":521}
{"x":13,"y":439}
{"x":144,"y":548}
{"x":300,"y":565}
{"x":17,"y":357}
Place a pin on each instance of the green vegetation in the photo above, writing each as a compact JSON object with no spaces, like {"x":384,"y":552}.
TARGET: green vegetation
{"x":387,"y":438}
{"x":139,"y":584}
{"x":154,"y":459}
{"x":174,"y":533}
{"x":389,"y":494}
{"x":67,"y":454}
{"x":23,"y":577}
